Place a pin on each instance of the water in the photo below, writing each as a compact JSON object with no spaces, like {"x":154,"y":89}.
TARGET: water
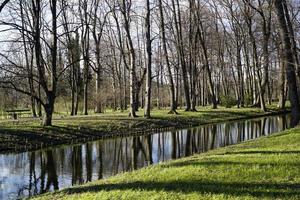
{"x":31,"y":173}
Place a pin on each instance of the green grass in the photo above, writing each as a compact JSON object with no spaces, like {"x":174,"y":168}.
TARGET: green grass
{"x":28,"y":134}
{"x":266,"y":168}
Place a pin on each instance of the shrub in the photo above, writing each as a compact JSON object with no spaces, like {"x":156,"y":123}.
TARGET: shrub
{"x":227,"y":101}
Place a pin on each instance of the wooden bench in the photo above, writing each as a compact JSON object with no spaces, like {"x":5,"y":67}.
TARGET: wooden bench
{"x":17,"y":112}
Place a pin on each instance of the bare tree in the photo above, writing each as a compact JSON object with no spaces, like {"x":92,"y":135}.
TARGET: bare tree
{"x":3,"y":4}
{"x":165,"y":53}
{"x":149,"y":61}
{"x":288,"y":58}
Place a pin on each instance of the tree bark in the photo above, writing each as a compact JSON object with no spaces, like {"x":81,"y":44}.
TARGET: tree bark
{"x":288,"y":59}
{"x":51,"y":93}
{"x":282,"y":85}
{"x":149,"y":63}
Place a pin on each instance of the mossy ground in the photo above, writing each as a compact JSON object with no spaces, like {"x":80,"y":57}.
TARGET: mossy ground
{"x":266,"y":168}
{"x":28,"y":134}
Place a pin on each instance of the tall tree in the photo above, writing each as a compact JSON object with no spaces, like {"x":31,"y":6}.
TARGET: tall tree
{"x":125,"y":10}
{"x":149,"y":61}
{"x":99,"y":18}
{"x":288,"y":58}
{"x":203,"y":43}
{"x":28,"y":59}
{"x":181,"y":51}
{"x":166,"y":57}
{"x":256,"y":63}
{"x":85,"y":44}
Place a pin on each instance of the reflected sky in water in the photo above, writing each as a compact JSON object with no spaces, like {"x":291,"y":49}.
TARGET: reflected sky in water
{"x":32,"y":173}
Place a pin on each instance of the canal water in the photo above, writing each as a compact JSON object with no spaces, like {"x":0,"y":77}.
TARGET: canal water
{"x":31,"y":173}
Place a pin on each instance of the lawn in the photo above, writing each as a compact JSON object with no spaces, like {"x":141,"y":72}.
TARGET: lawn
{"x":28,"y":134}
{"x":265,"y":168}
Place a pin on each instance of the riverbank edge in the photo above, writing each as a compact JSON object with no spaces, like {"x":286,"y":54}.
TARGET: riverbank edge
{"x":252,"y":147}
{"x":36,"y":139}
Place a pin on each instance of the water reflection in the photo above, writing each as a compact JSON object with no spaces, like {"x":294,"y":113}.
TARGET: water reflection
{"x":48,"y":169}
{"x":32,"y":173}
{"x":77,"y":177}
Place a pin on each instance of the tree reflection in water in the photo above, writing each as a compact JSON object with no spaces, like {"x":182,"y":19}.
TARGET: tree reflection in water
{"x":48,"y":170}
{"x":77,"y":176}
{"x":62,"y":167}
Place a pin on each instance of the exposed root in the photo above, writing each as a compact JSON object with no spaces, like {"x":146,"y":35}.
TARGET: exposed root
{"x":173,"y":112}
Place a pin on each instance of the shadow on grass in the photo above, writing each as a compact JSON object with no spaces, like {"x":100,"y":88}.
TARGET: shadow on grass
{"x":262,"y":152}
{"x":229,"y":163}
{"x":24,"y":140}
{"x":199,"y":186}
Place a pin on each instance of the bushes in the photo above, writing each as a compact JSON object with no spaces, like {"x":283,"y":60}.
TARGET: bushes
{"x":248,"y":100}
{"x":228,"y":101}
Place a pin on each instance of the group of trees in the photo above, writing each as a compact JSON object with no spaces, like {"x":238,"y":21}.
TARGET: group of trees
{"x":148,"y":53}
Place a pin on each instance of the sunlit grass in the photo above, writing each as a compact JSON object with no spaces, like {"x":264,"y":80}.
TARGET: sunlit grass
{"x":266,"y":168}
{"x":118,"y":121}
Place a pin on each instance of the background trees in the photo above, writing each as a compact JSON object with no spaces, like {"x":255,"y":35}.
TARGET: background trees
{"x":91,"y":55}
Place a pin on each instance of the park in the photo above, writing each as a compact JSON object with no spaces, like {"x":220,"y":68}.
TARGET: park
{"x":149,"y":99}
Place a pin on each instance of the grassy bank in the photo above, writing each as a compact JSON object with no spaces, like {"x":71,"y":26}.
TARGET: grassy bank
{"x":28,"y":134}
{"x":266,"y":168}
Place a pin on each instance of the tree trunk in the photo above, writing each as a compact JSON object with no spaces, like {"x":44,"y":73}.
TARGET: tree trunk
{"x":85,"y":98}
{"x":98,"y":107}
{"x":132,"y":68}
{"x":181,"y":54}
{"x":256,"y":67}
{"x":149,"y":62}
{"x":170,"y":76}
{"x":201,"y":32}
{"x":240,"y":77}
{"x":85,"y":42}
{"x":208,"y":71}
{"x":288,"y":59}
{"x":38,"y":104}
{"x":193,"y":48}
{"x":28,"y":65}
{"x":282,"y":86}
{"x":292,"y":38}
{"x":48,"y":108}
{"x":51,"y":94}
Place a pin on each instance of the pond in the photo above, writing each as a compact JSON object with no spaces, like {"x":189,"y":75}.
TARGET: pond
{"x":31,"y":173}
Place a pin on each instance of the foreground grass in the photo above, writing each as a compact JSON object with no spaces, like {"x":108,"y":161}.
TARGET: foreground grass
{"x":266,"y":168}
{"x":28,"y":134}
